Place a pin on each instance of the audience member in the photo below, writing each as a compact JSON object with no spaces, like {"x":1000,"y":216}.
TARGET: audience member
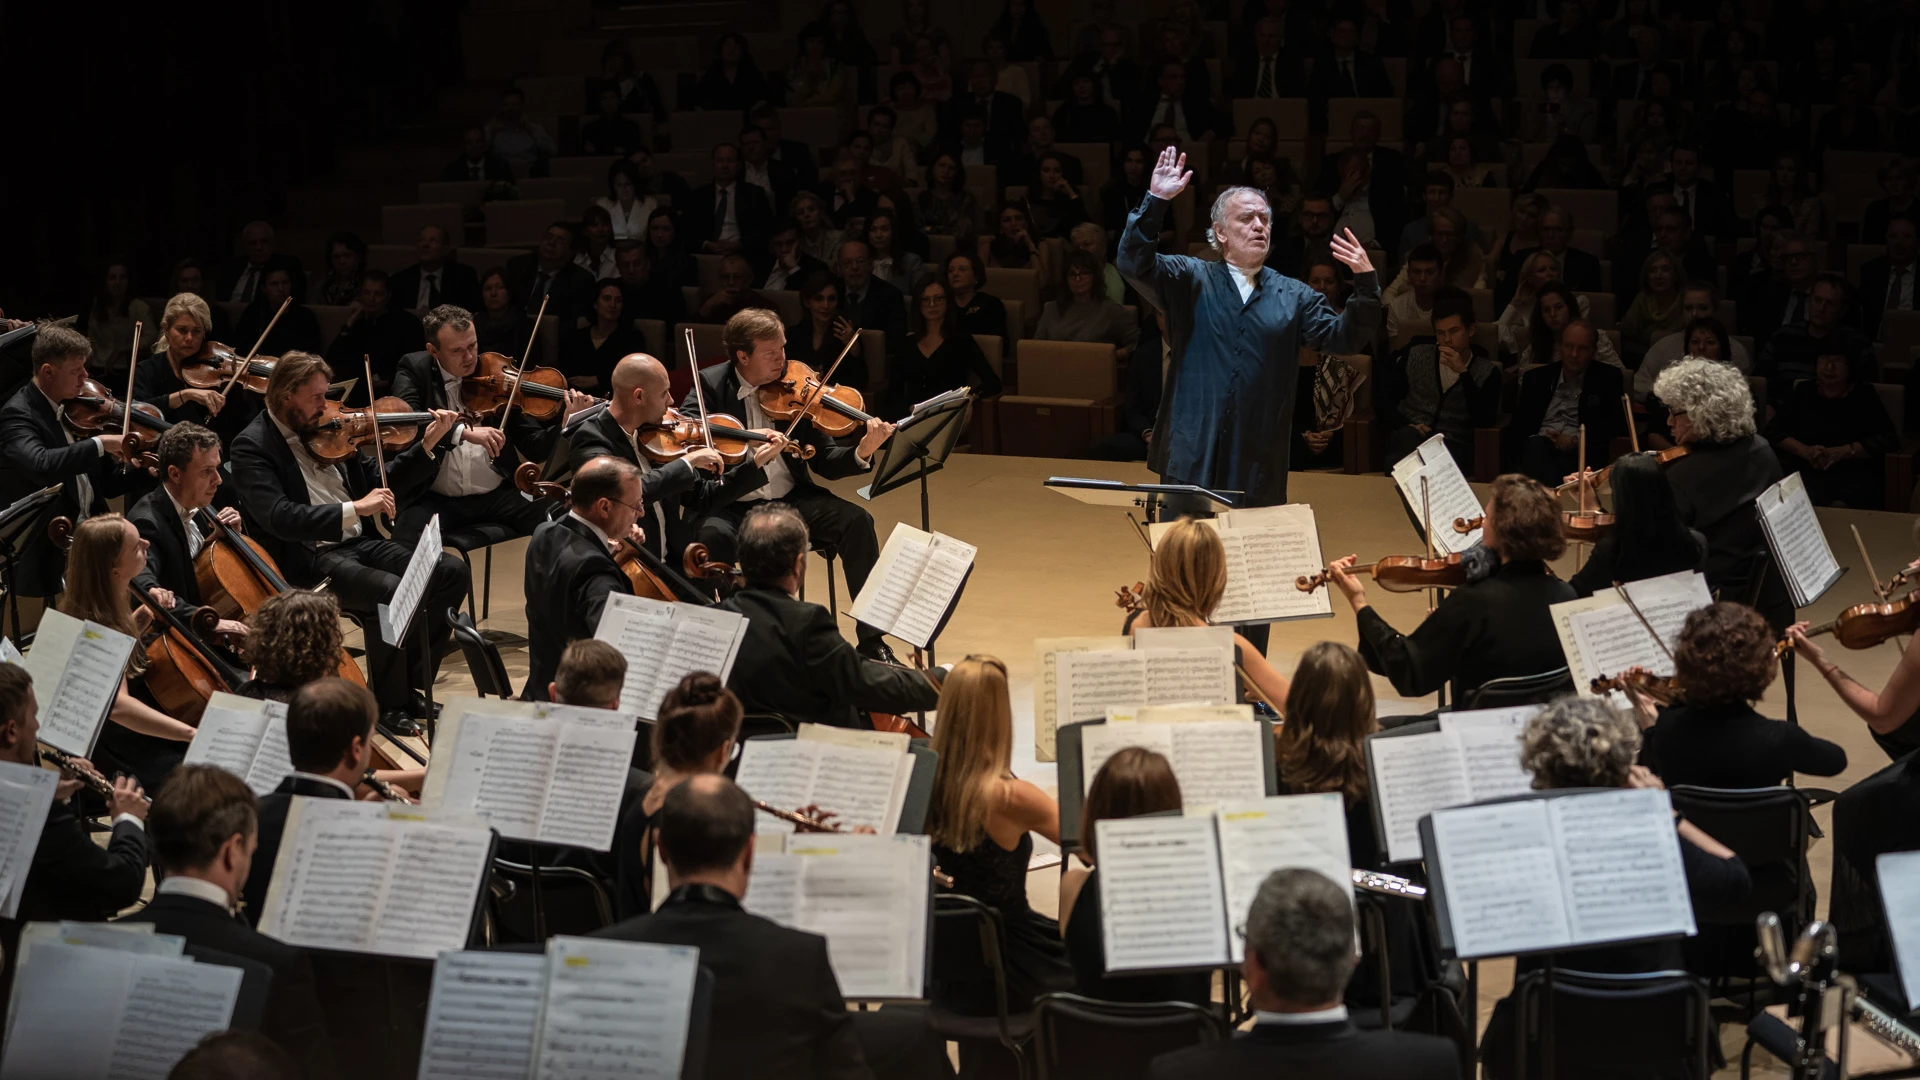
{"x":500,"y":325}
{"x":945,"y":207}
{"x":240,"y":281}
{"x":346,"y":264}
{"x":609,"y":132}
{"x":816,"y":340}
{"x":1410,"y":314}
{"x":725,"y":216}
{"x":1081,"y":309}
{"x":1656,"y":311}
{"x":734,"y":83}
{"x":1699,"y":301}
{"x":937,"y":354}
{"x":732,"y":293}
{"x":110,"y":318}
{"x":1558,"y":402}
{"x":1834,"y":431}
{"x":522,"y":143}
{"x":477,"y":160}
{"x":298,"y":330}
{"x":588,"y":353}
{"x":980,"y":312}
{"x":1792,"y":353}
{"x":594,"y":250}
{"x":434,"y":280}
{"x":1886,"y":281}
{"x":1442,"y":383}
{"x":818,"y":237}
{"x":869,"y":303}
{"x":647,"y":294}
{"x":376,"y":329}
{"x":778,"y":180}
{"x":550,"y":274}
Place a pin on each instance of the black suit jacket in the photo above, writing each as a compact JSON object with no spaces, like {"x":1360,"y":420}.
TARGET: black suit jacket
{"x":417,"y":381}
{"x":1713,"y":213}
{"x":684,"y":494}
{"x":881,"y":308}
{"x":1331,"y":1051}
{"x":1875,"y":280}
{"x":38,"y":455}
{"x":458,"y":285}
{"x":1288,"y":77}
{"x":777,"y":1009}
{"x":571,"y":292}
{"x":72,"y":877}
{"x":1201,"y":116}
{"x":1370,"y":79}
{"x":377,"y":339}
{"x":1006,"y":119}
{"x":168,"y":565}
{"x":274,"y":498}
{"x":861,"y":205}
{"x":492,"y":167}
{"x":1580,"y":270}
{"x":569,"y":575}
{"x":293,"y":1018}
{"x":230,"y":275}
{"x":1386,"y":192}
{"x":752,"y":212}
{"x":795,"y":663}
{"x":831,"y":459}
{"x":272,"y":827}
{"x":1600,"y":394}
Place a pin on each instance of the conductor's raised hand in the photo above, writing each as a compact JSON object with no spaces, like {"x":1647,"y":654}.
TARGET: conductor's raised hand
{"x":1170,"y":175}
{"x":1347,"y":248}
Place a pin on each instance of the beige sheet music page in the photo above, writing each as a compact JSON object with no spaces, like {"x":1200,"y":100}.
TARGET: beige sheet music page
{"x":1046,"y":686}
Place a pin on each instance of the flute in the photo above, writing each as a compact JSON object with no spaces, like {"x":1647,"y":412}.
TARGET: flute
{"x":70,"y":767}
{"x":806,"y":824}
{"x":1388,"y":884}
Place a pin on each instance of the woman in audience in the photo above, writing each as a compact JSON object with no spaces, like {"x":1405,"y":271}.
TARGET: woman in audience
{"x":627,"y":209}
{"x":1557,"y":111}
{"x":1053,"y":205}
{"x":1132,"y":783}
{"x":1463,"y":122}
{"x":1092,"y":239}
{"x":346,"y":263}
{"x":1537,"y":271}
{"x":138,"y":739}
{"x":818,"y":237}
{"x":734,"y":83}
{"x":822,"y":330}
{"x":694,"y":733}
{"x":297,"y":329}
{"x":110,"y":319}
{"x":638,"y":91}
{"x":933,"y":68}
{"x":980,"y":312}
{"x":1703,"y":339}
{"x":671,"y":261}
{"x":1458,"y":163}
{"x":595,"y":253}
{"x":886,"y":238}
{"x":1584,"y":743}
{"x":1263,"y":144}
{"x":588,"y":354}
{"x":839,"y":23}
{"x":1081,"y":310}
{"x":1834,"y":431}
{"x":1014,"y":246}
{"x":982,"y":818}
{"x":1648,"y":539}
{"x":1083,"y":117}
{"x":1787,"y":186}
{"x":1522,"y":236}
{"x":1553,"y":309}
{"x":1319,"y":418}
{"x":1656,"y":311}
{"x":916,"y":21}
{"x":1461,"y":264}
{"x":502,"y":325}
{"x":916,"y":120}
{"x":815,"y":78}
{"x":1494,"y":628}
{"x":938,"y":355}
{"x":945,"y":206}
{"x":1124,"y":190}
{"x":1185,"y":583}
{"x":1755,"y":271}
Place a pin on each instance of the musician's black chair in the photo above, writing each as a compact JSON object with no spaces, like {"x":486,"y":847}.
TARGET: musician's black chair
{"x":1519,"y":690}
{"x":1615,"y":1024}
{"x":1080,"y":1038}
{"x":483,"y":657}
{"x":573,"y":902}
{"x":967,"y":981}
{"x":469,"y":539}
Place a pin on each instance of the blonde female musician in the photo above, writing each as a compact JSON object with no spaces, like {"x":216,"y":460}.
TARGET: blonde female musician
{"x":1184,"y":586}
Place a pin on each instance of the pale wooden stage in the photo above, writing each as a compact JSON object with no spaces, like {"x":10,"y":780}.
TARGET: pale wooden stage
{"x":1048,"y":567}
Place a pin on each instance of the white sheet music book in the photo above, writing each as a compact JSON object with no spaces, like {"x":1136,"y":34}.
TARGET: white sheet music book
{"x":375,"y":878}
{"x":1899,"y":873}
{"x":77,"y":667}
{"x":1799,"y":547}
{"x":1447,"y":495}
{"x":1088,"y":683}
{"x":1267,"y":548}
{"x":543,"y":779}
{"x":1046,"y":683}
{"x":914,"y":583}
{"x":664,"y":643}
{"x":26,"y":797}
{"x":614,"y":1008}
{"x":82,"y":1012}
{"x":1475,"y":755}
{"x":484,"y":1014}
{"x":397,"y":614}
{"x":1175,"y":890}
{"x":248,"y":738}
{"x":860,"y":785}
{"x":1215,"y":761}
{"x":867,"y":895}
{"x":1568,"y":872}
{"x":1601,"y":636}
{"x":10,"y":653}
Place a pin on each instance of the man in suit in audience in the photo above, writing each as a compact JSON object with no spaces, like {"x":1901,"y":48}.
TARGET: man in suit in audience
{"x":1273,"y":71}
{"x":1383,"y":183}
{"x":1709,"y":211}
{"x":1557,"y":401}
{"x":847,"y":195}
{"x":550,"y":273}
{"x":1580,"y":270}
{"x":476,"y":162}
{"x":760,"y":168}
{"x":1633,"y":82}
{"x":1481,"y":70}
{"x":1344,"y":71}
{"x":792,"y":153}
{"x":1021,"y":167}
{"x":1308,"y":239}
{"x":869,"y":303}
{"x":1886,"y":282}
{"x":1116,"y":79}
{"x":189,"y":461}
{"x":1300,"y":954}
{"x":642,"y":295}
{"x":1573,"y":37}
{"x":1006,"y":118}
{"x":40,"y":452}
{"x":785,"y":265}
{"x":378,"y":330}
{"x":793,"y":660}
{"x":204,"y":829}
{"x":777,"y":1008}
{"x":243,"y":276}
{"x":436,"y":279}
{"x":726,"y":216}
{"x":1793,"y":353}
{"x":1171,"y":100}
{"x":71,"y":877}
{"x":570,"y":565}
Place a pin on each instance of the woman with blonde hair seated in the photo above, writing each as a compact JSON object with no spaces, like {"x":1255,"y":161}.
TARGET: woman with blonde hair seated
{"x":1187,"y":580}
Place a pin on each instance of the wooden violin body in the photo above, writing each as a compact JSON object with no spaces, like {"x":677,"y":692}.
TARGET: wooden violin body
{"x":1659,"y":689}
{"x":894,"y":722}
{"x":833,"y":410}
{"x":213,"y":368}
{"x":1401,"y":573}
{"x":675,"y":434}
{"x":341,"y":431}
{"x":539,"y":392}
{"x":1863,"y":626}
{"x":1585,"y":526}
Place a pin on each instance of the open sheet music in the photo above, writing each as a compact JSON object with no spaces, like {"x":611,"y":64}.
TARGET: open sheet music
{"x":1793,"y":534}
{"x":550,"y":780}
{"x":1215,"y":761}
{"x":665,"y":642}
{"x":914,"y":584}
{"x":1267,"y":548}
{"x":1046,"y":683}
{"x":1475,"y":755}
{"x":1447,"y":496}
{"x":375,"y":878}
{"x":77,"y":667}
{"x":484,"y":1015}
{"x":397,"y":614}
{"x":1541,"y":874}
{"x":860,"y":785}
{"x":1601,"y":635}
{"x":84,"y":1012}
{"x":248,"y":738}
{"x":867,"y":895}
{"x":1899,"y":874}
{"x":1173,"y":889}
{"x":1087,"y":683}
{"x":1177,"y":714}
{"x":26,"y":797}
{"x":614,"y":1008}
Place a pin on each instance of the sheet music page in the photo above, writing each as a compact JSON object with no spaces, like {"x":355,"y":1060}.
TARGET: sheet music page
{"x":704,"y":639}
{"x":1098,"y":742}
{"x":498,"y":770}
{"x":331,"y":874}
{"x":481,"y":1022}
{"x":1091,"y":681}
{"x":172,"y":1003}
{"x":1279,"y":544}
{"x":405,"y":601}
{"x":1218,"y":761}
{"x":1238,"y":604}
{"x":893,"y":579}
{"x":866,"y":895}
{"x":857,"y":785}
{"x":1259,"y":836}
{"x":583,"y":794}
{"x":1800,"y":548}
{"x":897,"y":741}
{"x":582,"y":714}
{"x":26,"y":797}
{"x":1161,"y":638}
{"x":941,"y":576}
{"x":65,"y":1005}
{"x":74,"y":701}
{"x":1502,"y":878}
{"x":614,"y":1008}
{"x":1563,"y":616}
{"x":228,"y":738}
{"x":1623,"y":876}
{"x":1611,"y":639}
{"x":10,"y":653}
{"x":773,"y":887}
{"x":1412,"y":776}
{"x":1162,"y":904}
{"x":438,"y":872}
{"x":1189,"y":714}
{"x":1489,"y":741}
{"x":1046,"y":703}
{"x":272,"y":762}
{"x":641,"y":629}
{"x":1899,"y":873}
{"x":1447,"y":494}
{"x":1189,"y":676}
{"x":778,"y":772}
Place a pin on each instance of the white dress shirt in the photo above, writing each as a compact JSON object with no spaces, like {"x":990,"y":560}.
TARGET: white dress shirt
{"x":1172,"y":112}
{"x":1903,"y":300}
{"x":604,"y":538}
{"x":181,"y":885}
{"x":82,"y":482}
{"x":325,"y":483}
{"x":760,"y":177}
{"x":601,"y":268}
{"x":1298,"y":1019}
{"x":629,"y":224}
{"x":728,"y":227}
{"x":656,"y":507}
{"x":466,"y":469}
{"x":973,"y":155}
{"x":1245,"y":283}
{"x":187,"y":524}
{"x":779,"y":477}
{"x":777,"y":277}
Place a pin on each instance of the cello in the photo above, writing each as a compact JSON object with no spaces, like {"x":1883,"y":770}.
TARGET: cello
{"x":183,"y":672}
{"x":235,"y":576}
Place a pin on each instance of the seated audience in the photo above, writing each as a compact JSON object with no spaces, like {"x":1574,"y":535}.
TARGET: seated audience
{"x":587,"y":355}
{"x":937,"y":355}
{"x":1441,"y":383}
{"x":1835,"y":432}
{"x":822,"y":330}
{"x":893,"y":263}
{"x":731,"y":294}
{"x":1656,"y":311}
{"x":1700,"y":303}
{"x":1083,"y":310}
{"x":1560,"y":401}
{"x":981,"y":312}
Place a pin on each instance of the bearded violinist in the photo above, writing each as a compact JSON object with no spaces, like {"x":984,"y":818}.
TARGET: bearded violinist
{"x":473,"y":485}
{"x":160,"y":380}
{"x":570,"y":565}
{"x":756,"y":344}
{"x":189,"y":457}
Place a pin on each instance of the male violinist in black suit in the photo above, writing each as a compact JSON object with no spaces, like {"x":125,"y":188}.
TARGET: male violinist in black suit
{"x":571,"y":568}
{"x":40,"y":452}
{"x":756,"y":343}
{"x":473,"y":484}
{"x":317,"y":521}
{"x":168,"y":517}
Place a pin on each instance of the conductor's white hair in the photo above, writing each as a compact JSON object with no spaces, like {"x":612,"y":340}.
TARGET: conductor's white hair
{"x":1714,"y":396}
{"x":1220,"y":210}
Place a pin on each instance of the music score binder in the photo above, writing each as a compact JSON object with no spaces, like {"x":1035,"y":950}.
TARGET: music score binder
{"x":1799,"y":547}
{"x":1072,"y":778}
{"x":871,"y":897}
{"x":1454,"y":759}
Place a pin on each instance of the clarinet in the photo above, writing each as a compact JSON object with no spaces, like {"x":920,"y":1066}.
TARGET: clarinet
{"x":70,"y":766}
{"x":1388,"y":884}
{"x":382,"y":788}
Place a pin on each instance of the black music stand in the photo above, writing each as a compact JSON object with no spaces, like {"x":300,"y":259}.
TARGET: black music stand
{"x":1096,"y":492}
{"x":919,"y":448}
{"x":22,"y":525}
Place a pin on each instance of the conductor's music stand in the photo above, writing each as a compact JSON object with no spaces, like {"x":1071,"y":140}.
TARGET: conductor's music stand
{"x":919,"y":448}
{"x":21,"y":526}
{"x":1118,"y":493}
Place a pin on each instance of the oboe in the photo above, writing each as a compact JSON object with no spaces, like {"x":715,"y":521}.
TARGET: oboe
{"x":382,"y":788}
{"x":70,"y":767}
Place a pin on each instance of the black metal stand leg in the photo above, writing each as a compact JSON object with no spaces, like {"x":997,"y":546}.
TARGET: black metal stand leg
{"x":427,"y":670}
{"x":1546,"y":1022}
{"x":486,"y":587}
{"x":539,"y":899}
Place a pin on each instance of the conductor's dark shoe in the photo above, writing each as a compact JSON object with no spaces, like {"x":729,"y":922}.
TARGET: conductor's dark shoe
{"x":398,"y":722}
{"x":877,"y":649}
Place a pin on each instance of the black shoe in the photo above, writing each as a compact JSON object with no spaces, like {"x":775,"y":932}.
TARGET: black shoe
{"x":417,"y":707}
{"x":877,"y":649}
{"x":397,"y":722}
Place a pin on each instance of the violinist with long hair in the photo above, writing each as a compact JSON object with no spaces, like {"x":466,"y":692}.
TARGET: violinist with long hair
{"x":168,"y":517}
{"x":1893,"y":712}
{"x":571,"y":567}
{"x":1186,"y":583}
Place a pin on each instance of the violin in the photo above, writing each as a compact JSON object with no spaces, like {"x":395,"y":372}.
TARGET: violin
{"x":675,"y":434}
{"x":539,"y":392}
{"x":1400,"y":573}
{"x":341,"y":431}
{"x":1659,"y":689}
{"x":1660,"y":457}
{"x":1863,"y":626}
{"x":645,"y":573}
{"x":1131,"y":599}
{"x":1584,"y":526}
{"x":95,"y":411}
{"x":1589,"y":523}
{"x":896,"y":723}
{"x":698,"y":564}
{"x":1463,"y":526}
{"x":214,"y":366}
{"x":236,"y":576}
{"x":836,"y":411}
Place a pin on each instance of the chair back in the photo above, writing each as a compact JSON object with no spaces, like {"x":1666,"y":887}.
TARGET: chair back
{"x":968,"y":974}
{"x":1769,"y":828}
{"x":1081,"y":1038}
{"x":1666,"y":1011}
{"x":572,"y":901}
{"x":483,"y":656}
{"x":1520,"y":690}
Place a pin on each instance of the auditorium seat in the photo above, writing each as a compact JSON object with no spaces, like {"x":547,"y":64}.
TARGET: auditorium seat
{"x":401,"y":224}
{"x":464,"y":192}
{"x":521,"y":221}
{"x":1599,"y":309}
{"x":1017,"y":285}
{"x":702,"y":131}
{"x":592,"y":165}
{"x":1485,"y":207}
{"x":1596,"y":210}
{"x":576,"y":193}
{"x":787,"y":303}
{"x":818,"y":126}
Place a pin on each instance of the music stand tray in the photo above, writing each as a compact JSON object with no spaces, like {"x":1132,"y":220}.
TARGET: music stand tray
{"x":22,"y":524}
{"x":1095,"y":492}
{"x":919,"y":448}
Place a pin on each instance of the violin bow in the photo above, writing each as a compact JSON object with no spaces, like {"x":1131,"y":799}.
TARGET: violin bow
{"x":1586,"y":485}
{"x":126,"y":407}
{"x":1635,"y":608}
{"x":519,"y":373}
{"x":241,"y":368}
{"x":1879,"y":588}
{"x":852,"y":340}
{"x":1633,"y":433}
{"x":373,"y":414}
{"x":700,"y":394}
